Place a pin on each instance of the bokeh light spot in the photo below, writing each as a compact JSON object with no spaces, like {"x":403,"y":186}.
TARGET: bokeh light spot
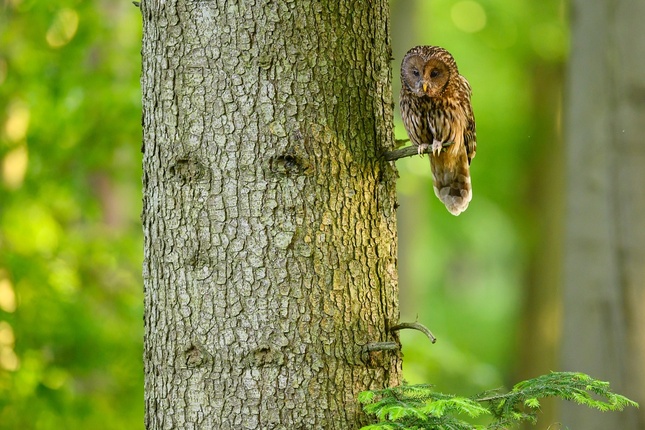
{"x":468,"y":16}
{"x":63,"y":28}
{"x":14,"y":167}
{"x":7,"y":294}
{"x":549,"y":41}
{"x":8,"y":359}
{"x":30,"y":228}
{"x":17,"y":123}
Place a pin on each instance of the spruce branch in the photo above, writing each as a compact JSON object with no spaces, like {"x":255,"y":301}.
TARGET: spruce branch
{"x":418,"y":406}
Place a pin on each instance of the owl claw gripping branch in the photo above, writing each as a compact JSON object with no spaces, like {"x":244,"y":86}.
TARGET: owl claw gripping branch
{"x":436,"y":110}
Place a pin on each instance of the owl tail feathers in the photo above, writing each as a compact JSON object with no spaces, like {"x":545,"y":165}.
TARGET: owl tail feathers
{"x":453,"y":188}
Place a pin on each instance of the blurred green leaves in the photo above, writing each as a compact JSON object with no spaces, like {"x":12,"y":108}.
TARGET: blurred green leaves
{"x":467,"y":277}
{"x":70,"y":239}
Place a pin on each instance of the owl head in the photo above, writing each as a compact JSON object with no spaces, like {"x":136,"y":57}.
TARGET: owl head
{"x":427,"y":70}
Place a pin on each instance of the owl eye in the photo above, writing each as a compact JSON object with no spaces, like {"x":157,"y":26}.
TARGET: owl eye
{"x":416,"y":73}
{"x":434,"y":73}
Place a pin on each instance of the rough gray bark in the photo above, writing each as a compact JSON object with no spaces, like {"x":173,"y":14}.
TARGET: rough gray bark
{"x":604,"y":284}
{"x":269,"y":219}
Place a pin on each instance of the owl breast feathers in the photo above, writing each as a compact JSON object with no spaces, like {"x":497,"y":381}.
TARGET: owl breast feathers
{"x":436,"y":110}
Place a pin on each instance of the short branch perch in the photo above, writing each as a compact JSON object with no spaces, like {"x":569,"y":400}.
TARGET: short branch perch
{"x":415,"y":326}
{"x":409,"y":151}
{"x":380,"y":346}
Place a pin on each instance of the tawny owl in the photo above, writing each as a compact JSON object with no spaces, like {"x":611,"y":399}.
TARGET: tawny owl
{"x":436,"y":110}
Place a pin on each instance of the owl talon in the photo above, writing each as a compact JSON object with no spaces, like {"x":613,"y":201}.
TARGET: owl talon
{"x":436,"y":147}
{"x":421,"y":149}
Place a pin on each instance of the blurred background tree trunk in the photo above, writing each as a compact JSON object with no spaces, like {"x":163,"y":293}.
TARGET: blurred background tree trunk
{"x":269,"y":221}
{"x":539,"y":333}
{"x":604,"y":279}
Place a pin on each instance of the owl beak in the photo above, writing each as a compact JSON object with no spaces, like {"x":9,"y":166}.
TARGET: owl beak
{"x":425,"y":87}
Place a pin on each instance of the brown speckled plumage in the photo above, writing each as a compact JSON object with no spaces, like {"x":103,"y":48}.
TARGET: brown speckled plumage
{"x":435,"y":106}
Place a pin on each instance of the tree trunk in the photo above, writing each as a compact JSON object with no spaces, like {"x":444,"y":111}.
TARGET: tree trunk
{"x":604,"y":285}
{"x":269,"y":219}
{"x":539,"y":336}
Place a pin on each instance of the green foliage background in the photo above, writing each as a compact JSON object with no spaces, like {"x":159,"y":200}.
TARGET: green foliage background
{"x":467,"y":278}
{"x":70,"y":237}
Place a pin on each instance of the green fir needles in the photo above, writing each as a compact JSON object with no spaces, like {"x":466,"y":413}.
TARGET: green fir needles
{"x":417,"y":407}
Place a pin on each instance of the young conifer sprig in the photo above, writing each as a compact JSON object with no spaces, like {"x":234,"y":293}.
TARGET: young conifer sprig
{"x":411,"y":407}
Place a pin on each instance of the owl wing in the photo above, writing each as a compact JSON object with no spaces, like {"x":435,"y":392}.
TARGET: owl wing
{"x":470,"y":137}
